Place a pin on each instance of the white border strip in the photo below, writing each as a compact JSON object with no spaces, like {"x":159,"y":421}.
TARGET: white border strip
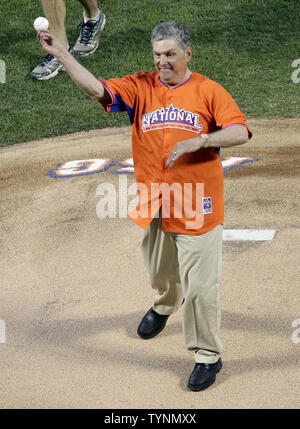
{"x":248,"y":234}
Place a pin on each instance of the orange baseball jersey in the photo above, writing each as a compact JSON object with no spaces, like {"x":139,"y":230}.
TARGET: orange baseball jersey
{"x":161,"y":116}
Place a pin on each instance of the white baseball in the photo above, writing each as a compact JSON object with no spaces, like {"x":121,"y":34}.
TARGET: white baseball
{"x":41,"y":24}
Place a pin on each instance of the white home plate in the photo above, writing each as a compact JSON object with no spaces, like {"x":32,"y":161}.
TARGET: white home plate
{"x":248,"y":234}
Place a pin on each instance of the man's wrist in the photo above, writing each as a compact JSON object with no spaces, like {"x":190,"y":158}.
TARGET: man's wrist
{"x":64,"y":55}
{"x":204,"y":140}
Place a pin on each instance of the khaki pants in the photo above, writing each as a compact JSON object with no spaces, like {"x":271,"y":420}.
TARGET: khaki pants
{"x":187,"y":266}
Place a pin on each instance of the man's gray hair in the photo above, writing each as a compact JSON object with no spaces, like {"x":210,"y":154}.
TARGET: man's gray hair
{"x":170,"y":29}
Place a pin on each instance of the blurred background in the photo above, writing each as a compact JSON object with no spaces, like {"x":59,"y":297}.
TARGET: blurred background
{"x":247,"y":46}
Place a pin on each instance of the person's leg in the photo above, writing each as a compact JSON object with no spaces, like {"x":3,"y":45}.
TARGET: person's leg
{"x":160,"y":258}
{"x":91,"y":26}
{"x":90,"y":8}
{"x":55,"y":12}
{"x":200,"y":260}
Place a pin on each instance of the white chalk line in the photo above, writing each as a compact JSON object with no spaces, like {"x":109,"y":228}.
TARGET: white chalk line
{"x":249,"y":234}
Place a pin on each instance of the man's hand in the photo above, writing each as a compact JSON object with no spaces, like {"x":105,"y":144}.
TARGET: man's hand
{"x":185,"y":146}
{"x":232,"y":135}
{"x":51,"y":44}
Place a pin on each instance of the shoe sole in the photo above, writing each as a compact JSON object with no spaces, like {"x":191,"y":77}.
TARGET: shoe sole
{"x":96,"y":47}
{"x":205,"y":385}
{"x":148,"y":337}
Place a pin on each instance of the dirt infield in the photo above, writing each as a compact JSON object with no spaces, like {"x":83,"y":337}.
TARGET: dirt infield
{"x":73,"y":286}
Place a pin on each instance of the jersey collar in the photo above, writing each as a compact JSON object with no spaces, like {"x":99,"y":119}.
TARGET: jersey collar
{"x":177,"y":86}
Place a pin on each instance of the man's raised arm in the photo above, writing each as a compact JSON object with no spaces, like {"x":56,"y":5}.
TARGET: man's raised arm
{"x":79,"y":74}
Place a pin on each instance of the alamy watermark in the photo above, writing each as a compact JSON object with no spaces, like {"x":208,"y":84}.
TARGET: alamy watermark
{"x":2,"y":332}
{"x":2,"y":72}
{"x":182,"y":201}
{"x":296,"y":332}
{"x":296,"y":73}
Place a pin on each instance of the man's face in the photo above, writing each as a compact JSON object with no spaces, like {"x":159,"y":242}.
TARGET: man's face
{"x":171,"y":62}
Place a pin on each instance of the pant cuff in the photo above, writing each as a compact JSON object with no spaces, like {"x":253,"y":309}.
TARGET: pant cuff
{"x":162,"y":310}
{"x":201,"y":357}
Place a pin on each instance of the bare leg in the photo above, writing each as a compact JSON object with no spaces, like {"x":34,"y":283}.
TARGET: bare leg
{"x":55,"y":12}
{"x":90,"y":8}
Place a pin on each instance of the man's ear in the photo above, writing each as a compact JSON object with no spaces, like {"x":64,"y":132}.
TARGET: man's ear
{"x":188,"y":53}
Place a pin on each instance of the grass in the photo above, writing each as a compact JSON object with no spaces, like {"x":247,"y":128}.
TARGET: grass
{"x":247,"y":46}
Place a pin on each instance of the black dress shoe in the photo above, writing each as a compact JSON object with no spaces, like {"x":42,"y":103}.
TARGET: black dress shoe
{"x":151,"y":324}
{"x":204,"y":375}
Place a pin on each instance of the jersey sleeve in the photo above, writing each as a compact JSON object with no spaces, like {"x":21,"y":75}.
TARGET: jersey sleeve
{"x":225,"y":110}
{"x":123,"y":93}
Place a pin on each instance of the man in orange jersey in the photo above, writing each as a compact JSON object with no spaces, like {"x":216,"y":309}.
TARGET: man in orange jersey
{"x":180,"y":120}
